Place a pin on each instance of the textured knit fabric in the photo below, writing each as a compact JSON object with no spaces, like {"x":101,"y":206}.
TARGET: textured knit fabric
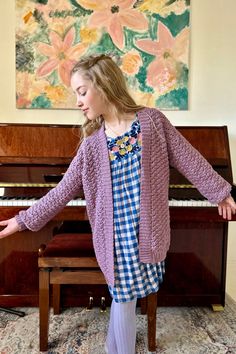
{"x":162,"y":145}
{"x":132,"y":278}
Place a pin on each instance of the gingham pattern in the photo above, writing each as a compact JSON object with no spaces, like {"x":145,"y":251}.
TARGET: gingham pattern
{"x":133,"y":279}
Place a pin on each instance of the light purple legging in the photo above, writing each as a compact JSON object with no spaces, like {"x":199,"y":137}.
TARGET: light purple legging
{"x":121,"y":335}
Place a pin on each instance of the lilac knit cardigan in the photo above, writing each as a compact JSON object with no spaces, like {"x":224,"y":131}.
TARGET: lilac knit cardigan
{"x":162,"y":145}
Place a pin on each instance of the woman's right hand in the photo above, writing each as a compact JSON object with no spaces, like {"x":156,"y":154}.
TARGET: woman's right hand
{"x":11,"y":226}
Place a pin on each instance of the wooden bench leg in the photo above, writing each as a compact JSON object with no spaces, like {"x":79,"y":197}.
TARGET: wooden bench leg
{"x":56,"y":294}
{"x":143,"y":305}
{"x":151,"y":314}
{"x":43,"y":308}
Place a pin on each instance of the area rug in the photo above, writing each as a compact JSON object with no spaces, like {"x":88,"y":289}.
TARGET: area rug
{"x":188,"y":330}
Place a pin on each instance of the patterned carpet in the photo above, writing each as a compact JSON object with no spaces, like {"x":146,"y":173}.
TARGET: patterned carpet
{"x":193,"y":330}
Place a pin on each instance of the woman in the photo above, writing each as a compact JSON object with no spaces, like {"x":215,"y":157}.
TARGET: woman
{"x":122,"y":165}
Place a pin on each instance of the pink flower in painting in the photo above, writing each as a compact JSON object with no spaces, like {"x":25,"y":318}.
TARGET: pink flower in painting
{"x":169,"y":51}
{"x":114,"y":15}
{"x":61,"y":55}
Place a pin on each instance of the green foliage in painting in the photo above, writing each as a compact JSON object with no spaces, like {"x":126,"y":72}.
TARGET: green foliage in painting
{"x":41,"y":102}
{"x":44,"y":2}
{"x":176,"y":99}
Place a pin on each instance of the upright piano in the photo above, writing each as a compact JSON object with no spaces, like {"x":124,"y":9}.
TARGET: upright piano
{"x":33,"y":158}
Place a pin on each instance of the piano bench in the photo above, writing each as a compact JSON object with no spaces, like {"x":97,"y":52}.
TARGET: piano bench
{"x":74,"y":253}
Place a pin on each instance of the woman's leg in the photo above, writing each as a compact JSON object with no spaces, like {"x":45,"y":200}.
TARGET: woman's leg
{"x":110,"y":341}
{"x":121,"y":336}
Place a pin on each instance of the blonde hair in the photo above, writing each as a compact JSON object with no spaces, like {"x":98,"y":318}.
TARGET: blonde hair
{"x":108,"y":79}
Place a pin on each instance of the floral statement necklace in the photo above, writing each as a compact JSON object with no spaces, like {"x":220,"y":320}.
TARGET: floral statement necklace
{"x":127,"y":143}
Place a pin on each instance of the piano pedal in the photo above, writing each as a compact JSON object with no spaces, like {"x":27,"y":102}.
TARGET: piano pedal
{"x":103,"y":305}
{"x":90,"y":305}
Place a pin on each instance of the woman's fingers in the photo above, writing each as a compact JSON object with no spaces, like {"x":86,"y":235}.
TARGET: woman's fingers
{"x":11,"y":227}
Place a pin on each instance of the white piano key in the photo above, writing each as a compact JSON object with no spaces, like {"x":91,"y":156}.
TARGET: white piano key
{"x":190,"y":203}
{"x":77,"y":202}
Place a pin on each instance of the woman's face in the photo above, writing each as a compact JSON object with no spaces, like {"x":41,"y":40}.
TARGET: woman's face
{"x":88,"y":99}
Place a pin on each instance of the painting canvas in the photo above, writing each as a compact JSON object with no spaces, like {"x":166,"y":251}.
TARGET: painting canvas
{"x":148,"y":39}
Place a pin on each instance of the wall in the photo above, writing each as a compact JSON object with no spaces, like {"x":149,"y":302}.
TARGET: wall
{"x":212,"y":83}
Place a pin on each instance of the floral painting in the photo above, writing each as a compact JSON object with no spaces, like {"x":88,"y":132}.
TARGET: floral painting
{"x":148,"y":39}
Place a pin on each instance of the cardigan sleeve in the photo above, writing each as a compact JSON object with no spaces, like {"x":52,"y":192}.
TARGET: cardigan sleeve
{"x":35,"y":217}
{"x":188,"y":161}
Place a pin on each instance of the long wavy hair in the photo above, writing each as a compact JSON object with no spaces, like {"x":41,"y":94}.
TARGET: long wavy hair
{"x":108,"y":79}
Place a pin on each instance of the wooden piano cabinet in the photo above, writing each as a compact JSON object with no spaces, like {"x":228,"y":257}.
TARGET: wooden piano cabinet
{"x":195,"y":268}
{"x":195,"y":264}
{"x":19,"y":272}
{"x":19,"y":267}
{"x":38,"y":154}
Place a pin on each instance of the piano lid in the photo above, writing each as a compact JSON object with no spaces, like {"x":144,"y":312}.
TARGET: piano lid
{"x":35,"y":155}
{"x":38,"y":144}
{"x":211,"y":142}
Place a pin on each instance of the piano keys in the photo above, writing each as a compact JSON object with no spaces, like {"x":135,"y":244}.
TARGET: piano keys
{"x":36,"y":160}
{"x":80,"y":202}
{"x":29,"y":201}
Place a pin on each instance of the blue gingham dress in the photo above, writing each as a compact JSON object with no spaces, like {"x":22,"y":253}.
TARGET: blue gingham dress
{"x":133,"y":279}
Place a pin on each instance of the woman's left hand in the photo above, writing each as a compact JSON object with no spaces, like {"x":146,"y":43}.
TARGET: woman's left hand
{"x":227,"y":207}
